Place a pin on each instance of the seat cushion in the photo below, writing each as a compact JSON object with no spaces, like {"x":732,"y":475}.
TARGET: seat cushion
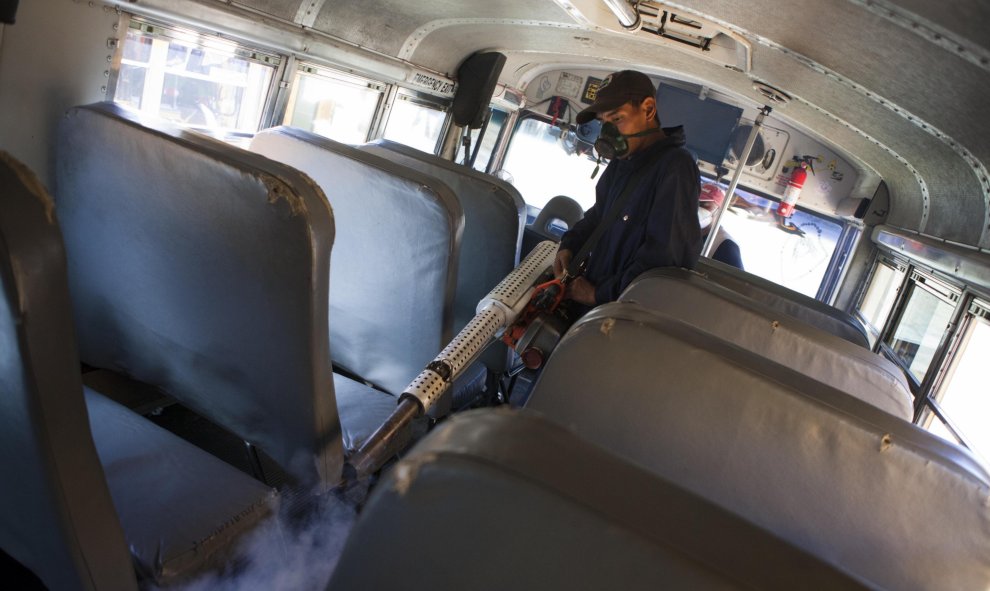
{"x":362,"y":410}
{"x":179,"y":506}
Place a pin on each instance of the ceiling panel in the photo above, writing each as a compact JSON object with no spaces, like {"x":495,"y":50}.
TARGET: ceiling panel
{"x":283,"y":9}
{"x":392,"y":22}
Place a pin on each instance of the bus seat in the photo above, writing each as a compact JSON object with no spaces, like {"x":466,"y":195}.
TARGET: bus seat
{"x":394,"y":266}
{"x":787,"y":300}
{"x":494,"y":218}
{"x":72,"y":507}
{"x":766,"y":331}
{"x":876,"y":496}
{"x":560,"y":208}
{"x":202,"y":269}
{"x":728,"y":252}
{"x":505,"y":501}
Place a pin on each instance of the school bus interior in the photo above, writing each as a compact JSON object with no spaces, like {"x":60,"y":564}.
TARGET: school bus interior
{"x":271,"y":275}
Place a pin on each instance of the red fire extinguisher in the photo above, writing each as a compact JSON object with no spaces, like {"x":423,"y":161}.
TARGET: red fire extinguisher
{"x":793,"y":190}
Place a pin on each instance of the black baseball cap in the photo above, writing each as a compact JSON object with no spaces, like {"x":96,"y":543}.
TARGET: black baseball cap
{"x":616,"y":90}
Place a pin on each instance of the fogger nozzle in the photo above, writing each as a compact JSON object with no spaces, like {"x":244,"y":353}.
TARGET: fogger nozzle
{"x":495,"y":312}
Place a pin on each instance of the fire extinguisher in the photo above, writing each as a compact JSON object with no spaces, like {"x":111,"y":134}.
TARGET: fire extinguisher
{"x":793,"y":190}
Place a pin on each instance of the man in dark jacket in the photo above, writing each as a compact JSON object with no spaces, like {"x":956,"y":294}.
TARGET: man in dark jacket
{"x":658,"y":225}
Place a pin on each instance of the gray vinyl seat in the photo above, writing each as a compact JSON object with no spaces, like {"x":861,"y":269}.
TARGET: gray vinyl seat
{"x":78,"y":493}
{"x":202,"y":269}
{"x":494,"y":218}
{"x":497,"y":499}
{"x":870,"y":493}
{"x":562,"y":208}
{"x":769,"y":332}
{"x":796,"y":304}
{"x":394,"y":270}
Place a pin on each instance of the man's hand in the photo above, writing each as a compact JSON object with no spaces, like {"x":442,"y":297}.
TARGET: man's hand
{"x":582,"y":291}
{"x":560,"y":262}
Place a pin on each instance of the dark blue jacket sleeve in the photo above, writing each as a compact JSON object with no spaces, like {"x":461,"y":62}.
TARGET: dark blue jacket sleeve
{"x":673,"y":236}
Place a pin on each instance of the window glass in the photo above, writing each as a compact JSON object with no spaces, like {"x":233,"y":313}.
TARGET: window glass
{"x":964,"y":396}
{"x":492,"y":132}
{"x":541,"y":165}
{"x":415,"y":124}
{"x":880,"y":295}
{"x":339,"y":108}
{"x":936,"y":426}
{"x":920,"y":329}
{"x":192,"y":80}
{"x":794,"y":253}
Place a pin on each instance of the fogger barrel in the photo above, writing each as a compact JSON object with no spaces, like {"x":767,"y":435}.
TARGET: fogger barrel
{"x":495,"y":312}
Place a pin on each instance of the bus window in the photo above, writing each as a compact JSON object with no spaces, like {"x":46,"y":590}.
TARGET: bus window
{"x":795,"y":253}
{"x":490,"y":134}
{"x":963,"y":398}
{"x":332,"y":104}
{"x":541,"y":165}
{"x":415,"y":122}
{"x":880,"y":295}
{"x":922,"y":324}
{"x":194,"y":80}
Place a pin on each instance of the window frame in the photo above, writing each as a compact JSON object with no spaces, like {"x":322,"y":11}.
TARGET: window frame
{"x":945,"y":291}
{"x":972,"y":308}
{"x":205,"y":38}
{"x":965,"y":298}
{"x":838,"y":265}
{"x":321,"y":71}
{"x":897,"y":265}
{"x":423,"y":100}
{"x":482,"y":133}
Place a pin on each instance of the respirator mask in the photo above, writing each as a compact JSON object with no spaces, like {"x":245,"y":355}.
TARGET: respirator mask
{"x":705,"y":217}
{"x":612,"y":144}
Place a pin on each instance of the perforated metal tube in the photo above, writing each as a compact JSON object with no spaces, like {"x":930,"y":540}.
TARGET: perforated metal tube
{"x":511,"y":293}
{"x":431,"y":383}
{"x":495,"y":311}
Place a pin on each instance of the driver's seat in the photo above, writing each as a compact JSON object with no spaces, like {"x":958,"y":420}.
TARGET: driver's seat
{"x":560,"y":208}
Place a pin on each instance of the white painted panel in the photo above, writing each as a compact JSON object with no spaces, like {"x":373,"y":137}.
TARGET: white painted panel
{"x":53,"y":58}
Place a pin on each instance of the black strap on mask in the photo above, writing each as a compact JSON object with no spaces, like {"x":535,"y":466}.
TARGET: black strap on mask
{"x":612,"y":144}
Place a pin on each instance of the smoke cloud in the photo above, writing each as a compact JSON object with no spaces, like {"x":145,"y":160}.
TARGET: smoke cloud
{"x":297,"y":550}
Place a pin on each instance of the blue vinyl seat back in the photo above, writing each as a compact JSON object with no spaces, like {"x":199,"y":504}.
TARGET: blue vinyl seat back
{"x":560,"y":513}
{"x":395,"y":258}
{"x":876,"y":496}
{"x":89,"y":480}
{"x":202,"y":269}
{"x":796,"y":304}
{"x":494,"y":218}
{"x":57,"y":516}
{"x":771,"y":333}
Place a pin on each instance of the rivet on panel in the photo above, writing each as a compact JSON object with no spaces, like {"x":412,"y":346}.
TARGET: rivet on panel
{"x":885,"y":442}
